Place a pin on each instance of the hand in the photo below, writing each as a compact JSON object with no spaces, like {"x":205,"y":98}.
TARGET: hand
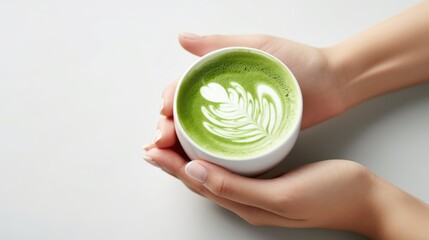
{"x":334,"y":194}
{"x":319,"y":81}
{"x":327,"y":194}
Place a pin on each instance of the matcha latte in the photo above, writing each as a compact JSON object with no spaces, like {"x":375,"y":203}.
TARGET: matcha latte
{"x":237,"y":103}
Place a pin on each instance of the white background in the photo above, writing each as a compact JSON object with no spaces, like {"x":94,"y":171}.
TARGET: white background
{"x":80,"y":88}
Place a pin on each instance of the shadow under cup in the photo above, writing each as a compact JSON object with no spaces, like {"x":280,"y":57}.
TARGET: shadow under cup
{"x":239,"y":108}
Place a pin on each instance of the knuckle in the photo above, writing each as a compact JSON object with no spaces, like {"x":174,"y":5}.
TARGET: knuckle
{"x":222,"y":187}
{"x":180,"y":173}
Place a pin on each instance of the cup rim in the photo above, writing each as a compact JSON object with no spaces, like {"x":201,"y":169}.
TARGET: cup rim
{"x":296,"y":125}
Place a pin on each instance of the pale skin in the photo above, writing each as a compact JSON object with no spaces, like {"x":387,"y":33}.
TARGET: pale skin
{"x":333,"y":194}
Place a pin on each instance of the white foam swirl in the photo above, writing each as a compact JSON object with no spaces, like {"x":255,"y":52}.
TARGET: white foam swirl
{"x":240,"y":117}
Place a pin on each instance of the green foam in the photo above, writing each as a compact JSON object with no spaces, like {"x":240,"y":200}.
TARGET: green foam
{"x":248,"y":69}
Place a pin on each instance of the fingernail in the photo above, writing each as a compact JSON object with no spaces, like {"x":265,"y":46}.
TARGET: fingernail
{"x":196,"y":171}
{"x":162,"y":106}
{"x":151,"y":161}
{"x":158,"y":136}
{"x":149,"y":147}
{"x":189,"y":35}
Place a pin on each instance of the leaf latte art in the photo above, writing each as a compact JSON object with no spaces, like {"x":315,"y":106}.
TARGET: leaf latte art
{"x":240,"y":117}
{"x":236,"y":104}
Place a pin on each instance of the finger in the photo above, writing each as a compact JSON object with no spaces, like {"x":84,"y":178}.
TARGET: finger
{"x":258,"y":216}
{"x":167,"y":134}
{"x":200,"y":45}
{"x":254,"y":215}
{"x":167,"y":159}
{"x":174,"y":164}
{"x":260,"y":193}
{"x":167,"y":99}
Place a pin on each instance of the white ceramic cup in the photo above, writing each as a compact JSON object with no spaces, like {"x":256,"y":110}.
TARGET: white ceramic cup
{"x":251,"y":166}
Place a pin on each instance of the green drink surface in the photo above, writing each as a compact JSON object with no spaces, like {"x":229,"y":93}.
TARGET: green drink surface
{"x":238,"y":104}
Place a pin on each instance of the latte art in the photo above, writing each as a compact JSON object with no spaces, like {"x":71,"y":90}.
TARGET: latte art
{"x":239,"y":104}
{"x":236,"y":115}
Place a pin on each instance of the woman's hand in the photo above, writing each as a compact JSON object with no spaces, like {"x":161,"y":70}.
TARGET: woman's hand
{"x":319,"y":81}
{"x":316,"y":195}
{"x":323,"y":194}
{"x":335,"y":194}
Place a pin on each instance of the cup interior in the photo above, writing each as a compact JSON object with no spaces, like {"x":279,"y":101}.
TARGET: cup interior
{"x":185,"y":139}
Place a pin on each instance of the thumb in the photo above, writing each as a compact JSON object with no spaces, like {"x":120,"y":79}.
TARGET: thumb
{"x":201,"y":45}
{"x":225,"y":184}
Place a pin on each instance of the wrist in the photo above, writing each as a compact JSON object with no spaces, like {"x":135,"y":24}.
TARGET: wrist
{"x":386,"y":57}
{"x":348,"y":75}
{"x":396,"y":214}
{"x":345,"y":74}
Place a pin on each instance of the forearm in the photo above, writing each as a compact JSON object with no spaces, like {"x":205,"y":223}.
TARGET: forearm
{"x":399,"y":215}
{"x":389,"y":56}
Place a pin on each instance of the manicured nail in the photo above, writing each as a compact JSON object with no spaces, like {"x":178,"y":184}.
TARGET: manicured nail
{"x":162,"y":106}
{"x":158,"y":136}
{"x":189,"y":35}
{"x":196,"y":171}
{"x":149,"y":147}
{"x":151,"y":161}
